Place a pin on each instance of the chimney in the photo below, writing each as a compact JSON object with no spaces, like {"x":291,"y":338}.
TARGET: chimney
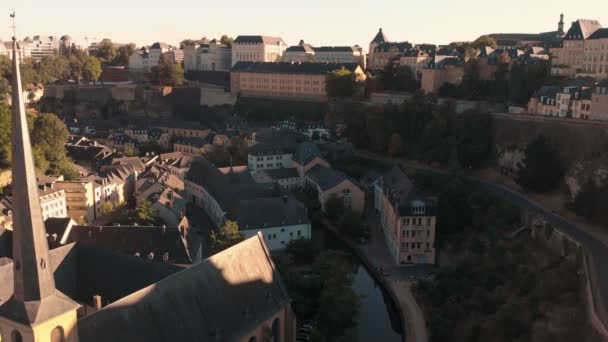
{"x":97,"y":302}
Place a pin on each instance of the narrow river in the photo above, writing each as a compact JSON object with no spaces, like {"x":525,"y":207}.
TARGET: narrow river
{"x":378,"y":317}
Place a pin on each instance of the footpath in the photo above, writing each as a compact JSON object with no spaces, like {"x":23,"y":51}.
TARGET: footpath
{"x":397,"y":281}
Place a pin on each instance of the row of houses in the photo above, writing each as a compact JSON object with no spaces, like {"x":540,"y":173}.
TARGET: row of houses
{"x":579,"y":98}
{"x":38,"y":47}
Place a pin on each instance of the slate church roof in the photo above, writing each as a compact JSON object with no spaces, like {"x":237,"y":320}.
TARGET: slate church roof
{"x":216,"y":300}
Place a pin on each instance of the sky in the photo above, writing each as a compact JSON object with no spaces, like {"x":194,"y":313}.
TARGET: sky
{"x":318,"y":22}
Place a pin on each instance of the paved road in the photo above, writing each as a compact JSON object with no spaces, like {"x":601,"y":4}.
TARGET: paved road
{"x":595,"y":248}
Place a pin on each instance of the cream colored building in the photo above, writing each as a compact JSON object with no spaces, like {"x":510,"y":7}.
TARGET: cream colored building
{"x":298,"y":81}
{"x":445,"y":69}
{"x":207,"y":55}
{"x":599,"y":101}
{"x":257,"y":49}
{"x":303,"y":52}
{"x":570,"y":59}
{"x":146,"y":58}
{"x":408,"y":219}
{"x":416,"y":59}
{"x":595,"y":58}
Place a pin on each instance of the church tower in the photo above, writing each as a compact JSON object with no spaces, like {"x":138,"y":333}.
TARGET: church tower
{"x":560,"y":26}
{"x":37,"y":311}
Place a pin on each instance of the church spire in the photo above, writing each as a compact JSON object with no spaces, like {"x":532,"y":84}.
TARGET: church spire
{"x":560,"y":25}
{"x":33,"y":276}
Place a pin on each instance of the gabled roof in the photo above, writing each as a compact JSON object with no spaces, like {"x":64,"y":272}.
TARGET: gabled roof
{"x":271,"y":212}
{"x":326,"y":177}
{"x":380,"y":37}
{"x":282,"y":173}
{"x":263,"y":149}
{"x":148,"y":241}
{"x":600,"y":34}
{"x":216,"y":300}
{"x":306,"y":152}
{"x":401,"y":192}
{"x":258,"y":40}
{"x":582,"y":29}
{"x":399,"y":47}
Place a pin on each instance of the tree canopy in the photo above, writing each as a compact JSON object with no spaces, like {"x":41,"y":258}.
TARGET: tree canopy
{"x":542,"y":169}
{"x":398,"y":77}
{"x":227,"y":236}
{"x":341,"y":83}
{"x":225,"y":40}
{"x":166,"y":73}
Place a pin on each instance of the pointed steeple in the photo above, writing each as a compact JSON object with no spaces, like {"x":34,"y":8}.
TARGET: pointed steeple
{"x":35,"y":298}
{"x":32,"y":270}
{"x":380,"y":37}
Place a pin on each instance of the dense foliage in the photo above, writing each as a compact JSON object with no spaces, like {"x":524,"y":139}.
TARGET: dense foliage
{"x":325,"y":295}
{"x":590,"y":202}
{"x":226,"y":237}
{"x":397,"y":77}
{"x":543,"y":168}
{"x":258,"y":109}
{"x":341,"y":84}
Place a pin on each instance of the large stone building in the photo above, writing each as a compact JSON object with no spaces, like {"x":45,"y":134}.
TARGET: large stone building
{"x":207,"y":55}
{"x":78,"y":292}
{"x":257,"y":49}
{"x":303,"y":52}
{"x":444,"y":69}
{"x":298,"y":81}
{"x":408,"y":218}
{"x":572,"y":57}
{"x":595,"y":60}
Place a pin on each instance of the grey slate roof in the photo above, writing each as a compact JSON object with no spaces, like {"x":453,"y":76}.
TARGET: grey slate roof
{"x":380,"y":37}
{"x":582,"y":29}
{"x":258,"y":40}
{"x":306,"y":152}
{"x":292,"y":68}
{"x":216,"y":300}
{"x":134,"y":239}
{"x":599,"y":34}
{"x":401,"y":191}
{"x":326,"y":177}
{"x":401,"y":47}
{"x":282,"y":173}
{"x":271,"y":212}
{"x":264,"y":149}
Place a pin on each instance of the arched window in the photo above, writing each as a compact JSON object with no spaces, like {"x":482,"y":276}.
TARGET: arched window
{"x":276,"y":331}
{"x":57,"y":334}
{"x":17,"y":336}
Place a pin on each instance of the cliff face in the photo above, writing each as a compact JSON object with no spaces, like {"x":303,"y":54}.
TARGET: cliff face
{"x":582,"y":144}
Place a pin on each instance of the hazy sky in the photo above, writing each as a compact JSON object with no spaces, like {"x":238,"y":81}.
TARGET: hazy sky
{"x":327,"y":22}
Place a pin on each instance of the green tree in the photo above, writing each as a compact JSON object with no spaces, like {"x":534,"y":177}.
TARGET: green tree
{"x":54,"y":68}
{"x":5,"y":87}
{"x":352,"y":225}
{"x":398,"y":78}
{"x":144,"y":213}
{"x":92,"y":69}
{"x":542,"y":169}
{"x":470,"y":80}
{"x":334,"y":207}
{"x":5,"y":135}
{"x":227,"y":236}
{"x":225,"y":40}
{"x":302,"y":250}
{"x":49,"y":136}
{"x":106,"y":51}
{"x":341,"y":83}
{"x":474,"y":138}
{"x":186,"y":42}
{"x":122,"y":55}
{"x":166,"y":73}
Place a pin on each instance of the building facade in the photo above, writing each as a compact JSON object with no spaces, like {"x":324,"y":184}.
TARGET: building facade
{"x":303,"y":53}
{"x":297,"y":81}
{"x":408,"y":218}
{"x":209,"y":55}
{"x":572,"y":57}
{"x":257,"y":49}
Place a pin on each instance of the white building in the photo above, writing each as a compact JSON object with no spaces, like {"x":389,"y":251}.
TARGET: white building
{"x":146,"y":58}
{"x":280,"y":220}
{"x":43,"y":46}
{"x":25,"y":50}
{"x":267,"y":156}
{"x":303,"y":52}
{"x":257,"y":49}
{"x":207,"y":55}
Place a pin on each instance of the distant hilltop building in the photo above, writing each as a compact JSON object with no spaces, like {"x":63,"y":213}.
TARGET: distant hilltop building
{"x":545,"y":39}
{"x":582,"y":51}
{"x":146,"y":58}
{"x":207,"y":54}
{"x":257,"y":49}
{"x":324,"y":54}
